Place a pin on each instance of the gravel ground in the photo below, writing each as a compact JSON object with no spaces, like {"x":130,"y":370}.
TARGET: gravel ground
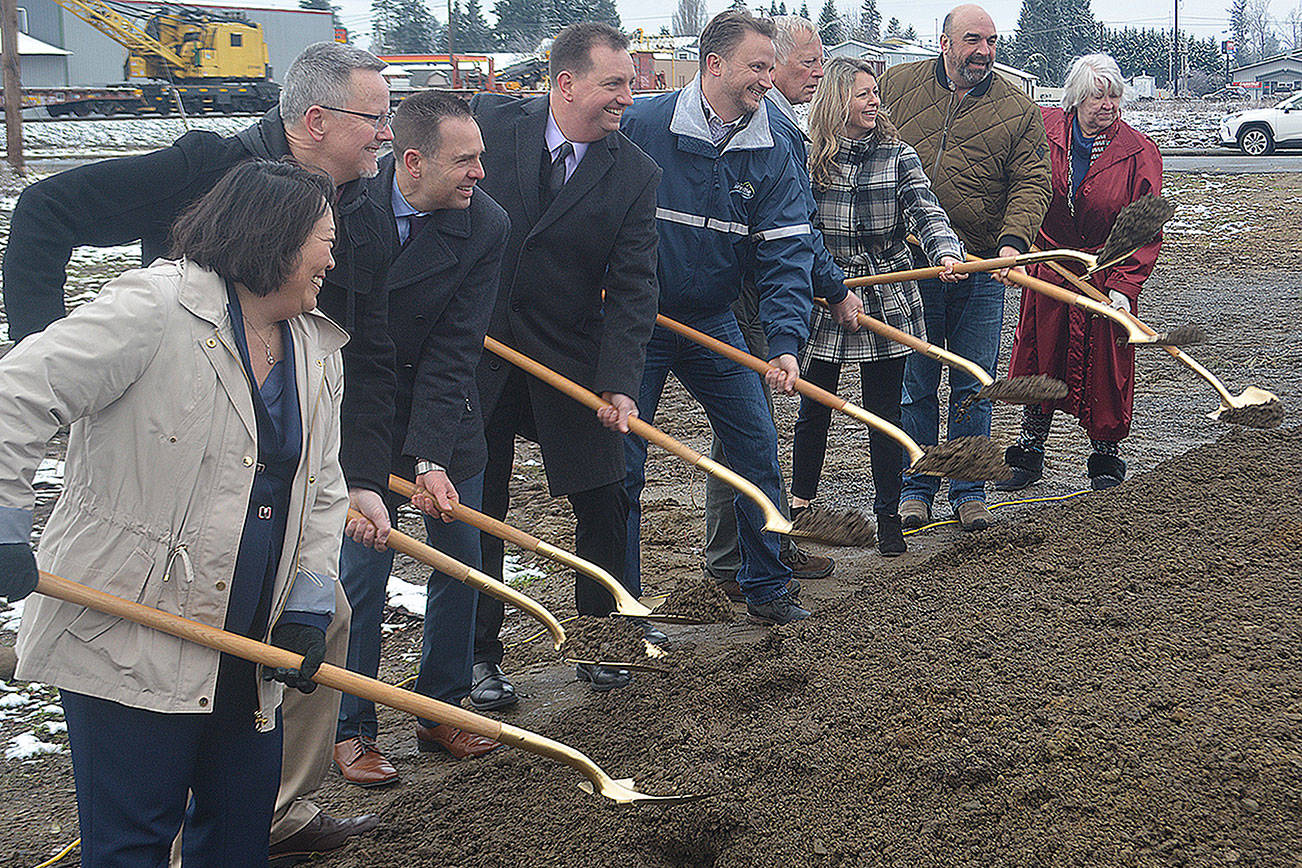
{"x":1110,"y":680}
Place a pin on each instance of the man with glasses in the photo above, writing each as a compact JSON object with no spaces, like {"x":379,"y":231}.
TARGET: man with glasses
{"x":333,"y":115}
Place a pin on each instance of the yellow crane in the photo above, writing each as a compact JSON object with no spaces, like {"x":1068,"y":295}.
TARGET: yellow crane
{"x":181,"y":45}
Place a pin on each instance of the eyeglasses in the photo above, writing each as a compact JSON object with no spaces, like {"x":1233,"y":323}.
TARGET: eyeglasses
{"x":380,"y":121}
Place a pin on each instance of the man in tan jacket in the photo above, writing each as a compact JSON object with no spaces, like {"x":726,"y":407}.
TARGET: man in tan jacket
{"x":983,"y":146}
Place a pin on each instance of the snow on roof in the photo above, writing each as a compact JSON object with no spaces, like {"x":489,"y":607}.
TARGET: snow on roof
{"x":30,"y":45}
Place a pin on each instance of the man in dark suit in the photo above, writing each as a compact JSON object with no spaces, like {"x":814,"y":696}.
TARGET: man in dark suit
{"x":442,"y":283}
{"x":582,"y":202}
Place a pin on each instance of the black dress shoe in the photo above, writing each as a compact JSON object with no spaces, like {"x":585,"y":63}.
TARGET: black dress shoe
{"x":323,"y":834}
{"x":779,"y":610}
{"x":890,"y":536}
{"x":603,"y":678}
{"x":651,"y":632}
{"x":490,"y":689}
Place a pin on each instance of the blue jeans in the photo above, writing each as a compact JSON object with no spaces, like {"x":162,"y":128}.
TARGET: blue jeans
{"x":447,"y":643}
{"x":733,"y":399}
{"x":965,"y":318}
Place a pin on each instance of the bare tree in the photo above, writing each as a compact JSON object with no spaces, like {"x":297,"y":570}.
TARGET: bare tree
{"x":690,"y":18}
{"x":1291,"y":28}
{"x":1261,"y":29}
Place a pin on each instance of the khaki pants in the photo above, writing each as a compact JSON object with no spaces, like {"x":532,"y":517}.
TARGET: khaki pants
{"x":309,"y":720}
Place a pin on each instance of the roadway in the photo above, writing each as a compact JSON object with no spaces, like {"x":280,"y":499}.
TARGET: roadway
{"x":1231,"y":162}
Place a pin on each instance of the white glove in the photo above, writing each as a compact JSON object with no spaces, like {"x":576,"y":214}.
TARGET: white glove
{"x":1119,"y":301}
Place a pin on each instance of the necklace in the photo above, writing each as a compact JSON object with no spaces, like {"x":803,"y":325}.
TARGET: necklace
{"x":271,"y":357}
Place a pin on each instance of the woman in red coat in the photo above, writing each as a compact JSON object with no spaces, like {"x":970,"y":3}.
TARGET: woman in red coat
{"x":1100,"y":165}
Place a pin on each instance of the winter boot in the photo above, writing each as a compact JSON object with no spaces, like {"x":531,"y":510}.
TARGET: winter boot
{"x":1105,"y":471}
{"x":1027,"y":465}
{"x":890,"y":535}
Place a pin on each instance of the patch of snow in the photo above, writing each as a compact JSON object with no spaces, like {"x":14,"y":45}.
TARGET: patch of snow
{"x":10,"y":617}
{"x":406,"y":596}
{"x":27,"y":746}
{"x":15,"y":700}
{"x":53,"y":726}
{"x":515,"y":573}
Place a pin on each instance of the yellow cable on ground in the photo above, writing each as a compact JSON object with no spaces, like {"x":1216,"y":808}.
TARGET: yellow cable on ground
{"x":1003,"y":503}
{"x":64,"y":852}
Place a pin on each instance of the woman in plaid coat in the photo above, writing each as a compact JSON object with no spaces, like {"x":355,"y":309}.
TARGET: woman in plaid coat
{"x":871,"y":191}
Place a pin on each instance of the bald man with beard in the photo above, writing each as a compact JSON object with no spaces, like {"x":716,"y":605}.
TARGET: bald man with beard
{"x":982,"y":144}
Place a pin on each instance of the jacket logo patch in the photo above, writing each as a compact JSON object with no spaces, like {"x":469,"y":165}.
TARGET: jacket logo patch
{"x":745,"y":188}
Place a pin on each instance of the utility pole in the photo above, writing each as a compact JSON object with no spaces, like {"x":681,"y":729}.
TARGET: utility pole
{"x":1175,"y":52}
{"x":13,"y":84}
{"x":452,"y":58}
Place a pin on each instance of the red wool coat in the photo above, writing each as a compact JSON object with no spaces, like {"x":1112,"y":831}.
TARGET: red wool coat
{"x":1063,"y":341}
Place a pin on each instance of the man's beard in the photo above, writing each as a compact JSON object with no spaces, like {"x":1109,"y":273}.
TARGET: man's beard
{"x":975,"y":75}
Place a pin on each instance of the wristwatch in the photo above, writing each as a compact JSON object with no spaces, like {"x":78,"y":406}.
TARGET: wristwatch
{"x":423,"y":467}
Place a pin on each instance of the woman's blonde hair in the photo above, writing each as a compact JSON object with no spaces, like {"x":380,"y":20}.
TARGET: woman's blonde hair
{"x":829,"y":112}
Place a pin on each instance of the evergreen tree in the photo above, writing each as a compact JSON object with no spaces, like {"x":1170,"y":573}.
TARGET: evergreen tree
{"x":690,"y":17}
{"x":804,"y":9}
{"x":893,"y":28}
{"x":782,"y":7}
{"x":1239,"y":27}
{"x":403,"y":27}
{"x":472,"y":32}
{"x":910,"y":34}
{"x":829,"y":24}
{"x":740,"y":5}
{"x":870,"y":23}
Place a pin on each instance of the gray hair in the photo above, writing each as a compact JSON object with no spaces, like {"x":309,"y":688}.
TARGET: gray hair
{"x":1084,"y":77}
{"x":322,"y":75}
{"x":789,"y":28}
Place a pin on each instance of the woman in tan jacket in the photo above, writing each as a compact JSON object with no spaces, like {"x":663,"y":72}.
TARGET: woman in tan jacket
{"x":202,"y":479}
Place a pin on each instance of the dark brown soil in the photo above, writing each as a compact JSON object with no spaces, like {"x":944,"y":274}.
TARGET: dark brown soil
{"x":1183,"y":336}
{"x":698,"y":597}
{"x":1268,"y":415}
{"x":835,"y":527}
{"x":1034,"y":389}
{"x":1040,"y":694}
{"x":964,"y":458}
{"x":604,"y":640}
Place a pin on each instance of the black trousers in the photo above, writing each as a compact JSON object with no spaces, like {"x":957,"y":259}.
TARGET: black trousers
{"x":881,"y":382}
{"x":601,"y":517}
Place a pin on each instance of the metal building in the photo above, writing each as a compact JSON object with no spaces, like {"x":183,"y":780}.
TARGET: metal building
{"x":95,"y":59}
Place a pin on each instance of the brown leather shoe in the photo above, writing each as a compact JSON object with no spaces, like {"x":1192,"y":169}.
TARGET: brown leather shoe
{"x":458,"y":742}
{"x":361,"y":763}
{"x":321,"y":835}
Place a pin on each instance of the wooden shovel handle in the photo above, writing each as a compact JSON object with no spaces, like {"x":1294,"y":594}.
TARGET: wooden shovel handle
{"x":471,"y":577}
{"x":928,"y":349}
{"x":804,"y":387}
{"x":268,"y":655}
{"x":968,"y":267}
{"x":474,"y":518}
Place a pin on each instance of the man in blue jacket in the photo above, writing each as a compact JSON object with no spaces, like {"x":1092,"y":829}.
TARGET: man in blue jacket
{"x":729,"y":207}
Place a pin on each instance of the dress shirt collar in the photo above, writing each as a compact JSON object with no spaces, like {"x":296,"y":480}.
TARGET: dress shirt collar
{"x":555,"y":138}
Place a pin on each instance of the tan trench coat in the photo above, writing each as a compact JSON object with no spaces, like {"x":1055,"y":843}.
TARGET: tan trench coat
{"x":160,"y":466}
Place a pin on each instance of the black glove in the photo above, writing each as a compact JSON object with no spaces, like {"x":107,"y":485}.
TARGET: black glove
{"x":301,"y":639}
{"x":17,"y":571}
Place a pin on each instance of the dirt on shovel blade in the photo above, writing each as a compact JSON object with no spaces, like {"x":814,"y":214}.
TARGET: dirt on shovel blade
{"x":698,"y":597}
{"x":1268,"y":415}
{"x":835,"y":527}
{"x":1183,"y":336}
{"x":967,"y":458}
{"x":604,"y":640}
{"x":1024,"y":390}
{"x":1136,"y":225}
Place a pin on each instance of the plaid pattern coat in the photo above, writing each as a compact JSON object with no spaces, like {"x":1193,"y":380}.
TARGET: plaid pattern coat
{"x":880,"y":194}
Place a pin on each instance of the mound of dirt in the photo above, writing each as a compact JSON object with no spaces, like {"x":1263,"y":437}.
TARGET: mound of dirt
{"x":612,"y":640}
{"x":1113,"y":680}
{"x":699,"y":597}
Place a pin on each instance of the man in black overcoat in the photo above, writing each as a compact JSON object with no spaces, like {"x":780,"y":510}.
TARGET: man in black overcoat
{"x":333,"y":115}
{"x":582,"y":201}
{"x":442,"y":284}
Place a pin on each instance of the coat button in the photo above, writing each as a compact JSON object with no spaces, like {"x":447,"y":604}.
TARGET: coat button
{"x":221,"y":586}
{"x":494,"y":365}
{"x":248,"y":461}
{"x":203,"y":702}
{"x":212,"y":342}
{"x":320,"y":363}
{"x":515,"y":305}
{"x":311,"y":479}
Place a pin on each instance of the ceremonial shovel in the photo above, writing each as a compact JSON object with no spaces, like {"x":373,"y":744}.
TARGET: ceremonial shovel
{"x":625,"y":603}
{"x":773,"y":518}
{"x":1018,"y":390}
{"x":1254,"y":407}
{"x":965,"y":458}
{"x":620,"y":791}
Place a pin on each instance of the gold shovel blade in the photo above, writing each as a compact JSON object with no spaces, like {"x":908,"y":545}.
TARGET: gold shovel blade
{"x":621,"y":792}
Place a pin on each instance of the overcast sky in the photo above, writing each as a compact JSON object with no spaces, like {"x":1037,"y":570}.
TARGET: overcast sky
{"x":1201,"y":17}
